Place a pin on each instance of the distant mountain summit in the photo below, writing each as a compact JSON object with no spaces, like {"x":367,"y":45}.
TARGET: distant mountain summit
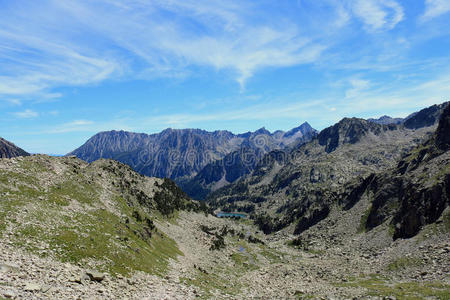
{"x":9,"y":150}
{"x":384,"y":120}
{"x":172,"y":153}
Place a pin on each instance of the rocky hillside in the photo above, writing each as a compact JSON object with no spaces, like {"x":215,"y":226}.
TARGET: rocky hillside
{"x":100,"y":214}
{"x":417,"y":191}
{"x":301,"y":186}
{"x":181,"y":153}
{"x":8,"y":150}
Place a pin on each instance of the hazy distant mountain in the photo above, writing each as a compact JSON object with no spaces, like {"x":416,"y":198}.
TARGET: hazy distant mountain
{"x":181,"y":153}
{"x":386,"y":120}
{"x":8,"y":150}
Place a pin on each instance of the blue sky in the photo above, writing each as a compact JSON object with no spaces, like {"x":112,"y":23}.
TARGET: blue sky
{"x":69,"y":69}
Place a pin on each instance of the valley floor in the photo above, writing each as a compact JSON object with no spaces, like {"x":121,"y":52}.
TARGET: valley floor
{"x":335,"y":265}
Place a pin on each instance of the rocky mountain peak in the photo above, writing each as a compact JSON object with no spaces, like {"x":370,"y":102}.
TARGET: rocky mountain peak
{"x":262,"y":130}
{"x":9,"y":150}
{"x":425,"y":117}
{"x":386,"y":120}
{"x":349,"y":130}
{"x":302,"y":129}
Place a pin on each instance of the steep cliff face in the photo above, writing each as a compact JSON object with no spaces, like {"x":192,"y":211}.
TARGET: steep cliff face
{"x":9,"y":150}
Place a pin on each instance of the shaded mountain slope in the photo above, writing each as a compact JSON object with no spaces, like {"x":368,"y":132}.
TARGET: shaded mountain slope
{"x":8,"y":150}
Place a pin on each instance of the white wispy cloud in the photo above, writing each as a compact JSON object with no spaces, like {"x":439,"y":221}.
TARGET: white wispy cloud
{"x":435,"y":8}
{"x":59,"y":43}
{"x":69,"y":43}
{"x":26,"y":114}
{"x":73,"y":126}
{"x":378,"y":14}
{"x":14,"y":101}
{"x":357,"y":86}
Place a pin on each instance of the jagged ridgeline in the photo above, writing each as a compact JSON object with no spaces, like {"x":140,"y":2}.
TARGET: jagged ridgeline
{"x":198,"y":160}
{"x":79,"y":212}
{"x":390,"y":166}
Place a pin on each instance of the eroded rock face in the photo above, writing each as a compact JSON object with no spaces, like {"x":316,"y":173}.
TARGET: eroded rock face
{"x":421,"y":206}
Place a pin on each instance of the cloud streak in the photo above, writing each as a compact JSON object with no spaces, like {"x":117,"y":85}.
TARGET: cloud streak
{"x":435,"y":8}
{"x":26,"y":114}
{"x":378,"y":14}
{"x":70,"y":43}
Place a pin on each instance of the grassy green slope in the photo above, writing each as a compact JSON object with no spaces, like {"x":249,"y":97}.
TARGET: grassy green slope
{"x":99,"y":215}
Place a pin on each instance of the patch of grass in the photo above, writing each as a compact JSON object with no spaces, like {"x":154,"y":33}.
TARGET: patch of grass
{"x":440,"y":175}
{"x":119,"y":241}
{"x":304,"y":296}
{"x":363,"y":221}
{"x":315,"y":251}
{"x":404,"y":263}
{"x":9,"y":207}
{"x":377,"y":286}
{"x":24,"y":237}
{"x":122,"y":247}
{"x":391,"y":229}
{"x":211,"y":282}
{"x":119,"y":245}
{"x":414,"y":154}
{"x":63,"y":192}
{"x":273,"y":256}
{"x":446,"y":219}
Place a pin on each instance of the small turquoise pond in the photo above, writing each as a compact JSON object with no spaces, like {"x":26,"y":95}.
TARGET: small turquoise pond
{"x":222,"y":214}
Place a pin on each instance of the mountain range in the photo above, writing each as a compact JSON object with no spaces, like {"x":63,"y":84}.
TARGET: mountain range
{"x":181,"y":154}
{"x":299,"y":187}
